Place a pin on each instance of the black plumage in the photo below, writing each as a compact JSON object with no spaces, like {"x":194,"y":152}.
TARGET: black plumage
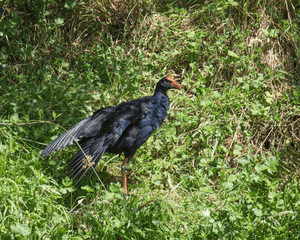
{"x":119,"y":129}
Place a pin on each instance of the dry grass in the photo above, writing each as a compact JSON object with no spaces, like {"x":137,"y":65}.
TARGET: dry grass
{"x":86,"y":24}
{"x":278,"y":52}
{"x":83,"y":25}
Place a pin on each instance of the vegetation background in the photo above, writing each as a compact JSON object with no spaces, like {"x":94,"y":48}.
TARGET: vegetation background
{"x":224,"y":165}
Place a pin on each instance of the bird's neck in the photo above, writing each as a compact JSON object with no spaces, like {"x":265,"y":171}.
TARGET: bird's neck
{"x":160,"y":92}
{"x":162,"y":99}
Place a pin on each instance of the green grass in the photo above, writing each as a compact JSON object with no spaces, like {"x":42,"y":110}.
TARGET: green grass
{"x":225,"y":163}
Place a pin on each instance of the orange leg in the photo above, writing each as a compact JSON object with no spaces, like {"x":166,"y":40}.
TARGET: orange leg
{"x":123,"y":169}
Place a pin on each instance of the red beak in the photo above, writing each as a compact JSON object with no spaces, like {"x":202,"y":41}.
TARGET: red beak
{"x":174,"y":84}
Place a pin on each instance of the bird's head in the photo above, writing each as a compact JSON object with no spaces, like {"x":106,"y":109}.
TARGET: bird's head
{"x":166,"y":83}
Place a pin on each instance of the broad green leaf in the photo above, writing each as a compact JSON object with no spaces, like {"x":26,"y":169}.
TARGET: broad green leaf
{"x":115,"y":187}
{"x":272,"y":195}
{"x":237,"y":150}
{"x":70,"y":4}
{"x":232,"y":178}
{"x":233,"y":3}
{"x":59,"y":21}
{"x":87,"y":188}
{"x":227,"y":185}
{"x":260,"y":167}
{"x":269,"y":97}
{"x":257,"y":212}
{"x":271,"y":163}
{"x":232,"y":54}
{"x":15,"y":117}
{"x":109,"y":196}
{"x":41,"y":113}
{"x":206,"y":212}
{"x":191,"y":34}
{"x":67,"y":182}
{"x":243,"y":161}
{"x":20,"y":229}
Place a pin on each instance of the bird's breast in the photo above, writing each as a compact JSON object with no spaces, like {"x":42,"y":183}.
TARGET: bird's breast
{"x":158,"y":110}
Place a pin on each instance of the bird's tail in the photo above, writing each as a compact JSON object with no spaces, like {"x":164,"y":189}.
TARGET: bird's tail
{"x":84,"y":160}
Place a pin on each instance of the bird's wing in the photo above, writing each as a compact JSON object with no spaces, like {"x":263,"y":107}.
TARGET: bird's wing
{"x":103,"y":120}
{"x":88,"y":127}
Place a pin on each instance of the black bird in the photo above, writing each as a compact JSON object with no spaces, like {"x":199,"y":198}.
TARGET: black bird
{"x":119,"y":129}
